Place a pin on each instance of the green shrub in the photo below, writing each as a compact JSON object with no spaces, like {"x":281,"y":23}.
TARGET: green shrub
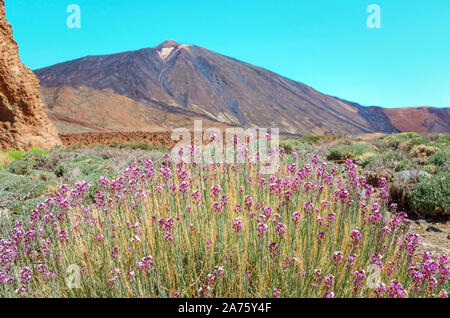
{"x":418,"y":141}
{"x":15,"y":154}
{"x":431,"y":195}
{"x":18,"y":154}
{"x":443,"y":140}
{"x":39,"y":151}
{"x":405,"y":139}
{"x":312,"y":139}
{"x":431,"y":169}
{"x":392,"y":156}
{"x":46,"y":176}
{"x":356,"y":151}
{"x":339,"y":154}
{"x":138,"y":145}
{"x":404,"y":165}
{"x":17,"y":191}
{"x":160,"y":148}
{"x":293,"y":144}
{"x":286,"y":147}
{"x":395,"y":139}
{"x":85,"y":168}
{"x":145,"y":146}
{"x":26,"y":187}
{"x":25,"y":164}
{"x":21,"y":208}
{"x":387,"y":159}
{"x":114,"y":144}
{"x":440,"y":159}
{"x":369,"y":161}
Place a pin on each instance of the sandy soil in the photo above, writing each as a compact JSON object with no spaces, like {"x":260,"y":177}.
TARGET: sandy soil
{"x":436,"y":242}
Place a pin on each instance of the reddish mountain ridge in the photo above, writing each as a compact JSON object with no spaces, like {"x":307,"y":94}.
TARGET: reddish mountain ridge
{"x":418,"y":119}
{"x":170,"y":84}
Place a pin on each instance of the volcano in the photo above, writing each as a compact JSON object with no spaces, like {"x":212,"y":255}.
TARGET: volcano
{"x":166,"y":86}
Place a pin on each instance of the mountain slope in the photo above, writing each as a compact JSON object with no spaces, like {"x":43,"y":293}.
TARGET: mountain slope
{"x":84,"y":109}
{"x":193,"y":81}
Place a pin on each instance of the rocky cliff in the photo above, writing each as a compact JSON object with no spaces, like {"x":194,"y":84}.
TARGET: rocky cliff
{"x":23,"y":121}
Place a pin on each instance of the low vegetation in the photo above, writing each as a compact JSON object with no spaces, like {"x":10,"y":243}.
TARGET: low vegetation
{"x":358,"y":151}
{"x":431,"y":196}
{"x":166,"y":229}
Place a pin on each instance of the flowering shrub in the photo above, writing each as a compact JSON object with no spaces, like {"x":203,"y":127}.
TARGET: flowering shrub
{"x":220,"y":230}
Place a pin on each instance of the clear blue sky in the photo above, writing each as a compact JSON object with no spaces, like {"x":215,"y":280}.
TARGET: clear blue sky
{"x":323,"y":43}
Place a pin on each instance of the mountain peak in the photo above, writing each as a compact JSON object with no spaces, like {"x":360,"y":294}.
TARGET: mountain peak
{"x":167,"y":44}
{"x":189,"y":80}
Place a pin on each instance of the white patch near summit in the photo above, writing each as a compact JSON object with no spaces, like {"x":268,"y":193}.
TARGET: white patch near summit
{"x":164,"y":53}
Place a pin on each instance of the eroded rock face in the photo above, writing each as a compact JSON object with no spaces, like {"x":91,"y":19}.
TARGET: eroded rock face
{"x":23,"y":122}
